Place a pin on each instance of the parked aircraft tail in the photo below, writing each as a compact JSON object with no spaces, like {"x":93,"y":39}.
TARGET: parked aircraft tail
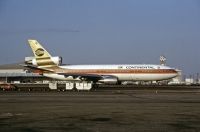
{"x":41,"y":57}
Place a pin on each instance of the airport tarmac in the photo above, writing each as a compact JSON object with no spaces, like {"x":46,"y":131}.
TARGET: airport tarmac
{"x":100,"y":111}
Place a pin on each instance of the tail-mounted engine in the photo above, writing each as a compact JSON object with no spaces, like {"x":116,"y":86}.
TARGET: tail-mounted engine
{"x":44,"y":61}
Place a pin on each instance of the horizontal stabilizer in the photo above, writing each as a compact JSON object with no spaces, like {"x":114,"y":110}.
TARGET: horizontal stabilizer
{"x":37,"y":68}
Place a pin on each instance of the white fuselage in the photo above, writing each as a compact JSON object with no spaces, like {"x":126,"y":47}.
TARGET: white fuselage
{"x":49,"y":66}
{"x":124,"y":72}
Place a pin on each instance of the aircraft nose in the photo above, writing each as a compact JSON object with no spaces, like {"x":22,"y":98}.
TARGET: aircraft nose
{"x":175,"y":72}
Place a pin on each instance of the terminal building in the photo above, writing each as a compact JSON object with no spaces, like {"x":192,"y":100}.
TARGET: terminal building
{"x":15,"y":73}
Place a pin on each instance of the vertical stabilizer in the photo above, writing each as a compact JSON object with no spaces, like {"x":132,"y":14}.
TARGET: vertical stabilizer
{"x":42,"y":57}
{"x":38,"y":50}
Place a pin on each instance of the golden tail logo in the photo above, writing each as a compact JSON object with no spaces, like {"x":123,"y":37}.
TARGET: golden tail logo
{"x":42,"y":57}
{"x":38,"y":50}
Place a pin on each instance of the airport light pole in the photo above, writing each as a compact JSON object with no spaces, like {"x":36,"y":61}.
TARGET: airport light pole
{"x":197,"y":79}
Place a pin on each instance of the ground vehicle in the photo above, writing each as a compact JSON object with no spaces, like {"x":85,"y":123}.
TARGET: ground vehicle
{"x":7,"y":87}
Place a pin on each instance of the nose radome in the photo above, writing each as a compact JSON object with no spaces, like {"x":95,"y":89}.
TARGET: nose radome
{"x":175,"y":72}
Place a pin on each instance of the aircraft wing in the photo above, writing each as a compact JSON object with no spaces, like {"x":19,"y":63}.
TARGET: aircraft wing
{"x":91,"y":77}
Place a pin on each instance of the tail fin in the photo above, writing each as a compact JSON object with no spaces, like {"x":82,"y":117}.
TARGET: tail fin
{"x":42,"y":57}
{"x":38,"y":50}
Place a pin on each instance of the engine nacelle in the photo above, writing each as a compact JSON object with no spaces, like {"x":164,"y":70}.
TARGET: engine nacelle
{"x":32,"y":61}
{"x":109,"y":80}
{"x":57,"y":60}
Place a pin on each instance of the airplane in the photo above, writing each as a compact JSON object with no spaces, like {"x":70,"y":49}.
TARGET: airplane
{"x":52,"y":67}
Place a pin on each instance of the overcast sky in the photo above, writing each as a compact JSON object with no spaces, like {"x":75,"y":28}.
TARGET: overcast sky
{"x":104,"y":31}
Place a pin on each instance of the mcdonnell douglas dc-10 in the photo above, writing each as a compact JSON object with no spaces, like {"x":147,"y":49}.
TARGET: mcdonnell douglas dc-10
{"x":52,"y":67}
